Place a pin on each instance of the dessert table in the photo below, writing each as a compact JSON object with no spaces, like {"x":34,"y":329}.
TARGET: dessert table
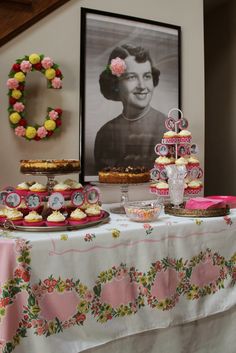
{"x":121,"y":286}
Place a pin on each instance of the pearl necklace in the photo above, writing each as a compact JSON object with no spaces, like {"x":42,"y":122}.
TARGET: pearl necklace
{"x":139,"y":117}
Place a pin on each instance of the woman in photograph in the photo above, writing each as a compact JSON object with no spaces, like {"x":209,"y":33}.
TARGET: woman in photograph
{"x":129,"y":139}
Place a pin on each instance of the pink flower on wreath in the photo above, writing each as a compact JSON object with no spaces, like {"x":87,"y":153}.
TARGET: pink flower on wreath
{"x":42,"y":132}
{"x":25,"y":66}
{"x":56,"y":82}
{"x":12,"y":83}
{"x":47,"y":63}
{"x":117,"y":66}
{"x":20,"y":131}
{"x":53,"y":115}
{"x":18,"y":107}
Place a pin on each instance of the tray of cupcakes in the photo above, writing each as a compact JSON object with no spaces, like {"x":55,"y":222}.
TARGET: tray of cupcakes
{"x":61,"y":211}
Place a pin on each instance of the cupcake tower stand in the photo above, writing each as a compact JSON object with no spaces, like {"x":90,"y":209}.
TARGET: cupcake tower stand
{"x":175,"y":147}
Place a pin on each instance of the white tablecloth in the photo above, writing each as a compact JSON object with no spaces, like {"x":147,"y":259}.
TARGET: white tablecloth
{"x":75,"y":290}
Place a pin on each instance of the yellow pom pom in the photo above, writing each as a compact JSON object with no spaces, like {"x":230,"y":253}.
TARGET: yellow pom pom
{"x":19,"y":76}
{"x":50,"y":125}
{"x":30,"y":132}
{"x":16,"y":93}
{"x":14,"y":118}
{"x":50,"y":74}
{"x":34,"y":58}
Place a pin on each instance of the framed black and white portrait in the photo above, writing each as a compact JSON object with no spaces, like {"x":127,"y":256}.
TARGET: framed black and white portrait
{"x":130,"y":79}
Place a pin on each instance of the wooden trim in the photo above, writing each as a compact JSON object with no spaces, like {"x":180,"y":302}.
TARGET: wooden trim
{"x":17,"y":16}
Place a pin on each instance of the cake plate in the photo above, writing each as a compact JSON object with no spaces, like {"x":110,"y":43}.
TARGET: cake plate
{"x":51,"y":182}
{"x":124,"y":197}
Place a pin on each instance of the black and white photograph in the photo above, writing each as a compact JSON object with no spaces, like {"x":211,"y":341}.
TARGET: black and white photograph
{"x":130,"y":79}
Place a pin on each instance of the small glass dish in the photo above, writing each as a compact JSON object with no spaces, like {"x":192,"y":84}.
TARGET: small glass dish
{"x":143,"y":211}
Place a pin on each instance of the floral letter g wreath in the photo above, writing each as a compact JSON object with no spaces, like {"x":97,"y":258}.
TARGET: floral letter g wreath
{"x":16,"y":86}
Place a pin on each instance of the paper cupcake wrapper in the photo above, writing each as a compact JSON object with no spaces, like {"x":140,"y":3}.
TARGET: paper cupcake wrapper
{"x":65,"y":193}
{"x":17,"y":222}
{"x":185,"y":139}
{"x":3,"y":218}
{"x":192,"y":165}
{"x":40,"y":193}
{"x":22,"y":192}
{"x":34,"y":224}
{"x":162,"y":192}
{"x":193,"y":191}
{"x":170,"y":141}
{"x":56,"y":224}
{"x":95,"y":218}
{"x":74,"y":222}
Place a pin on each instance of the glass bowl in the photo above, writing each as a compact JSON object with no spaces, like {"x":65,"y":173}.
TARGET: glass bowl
{"x":143,"y":211}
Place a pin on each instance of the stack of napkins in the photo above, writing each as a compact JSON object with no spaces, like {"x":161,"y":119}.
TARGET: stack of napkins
{"x":204,"y":203}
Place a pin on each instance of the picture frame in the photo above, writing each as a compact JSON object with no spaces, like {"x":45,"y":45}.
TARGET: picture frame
{"x":101,"y":33}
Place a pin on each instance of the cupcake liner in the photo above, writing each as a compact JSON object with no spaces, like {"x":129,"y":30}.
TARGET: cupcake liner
{"x":95,"y":218}
{"x":185,"y":139}
{"x":40,"y":193}
{"x":56,"y":224}
{"x":170,"y":140}
{"x":22,"y":192}
{"x":152,"y":189}
{"x":163,"y":192}
{"x":193,"y":191}
{"x":34,"y":224}
{"x":65,"y":193}
{"x":3,"y":218}
{"x":74,"y":222}
{"x":192,"y":165}
{"x":17,"y":222}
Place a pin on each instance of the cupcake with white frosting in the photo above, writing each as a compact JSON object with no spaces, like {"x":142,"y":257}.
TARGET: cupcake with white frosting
{"x":184,"y":136}
{"x":56,"y":218}
{"x":63,"y":188}
{"x":14,"y":215}
{"x":39,"y":189}
{"x":193,"y":162}
{"x":93,"y":212}
{"x":3,"y":216}
{"x":194,"y":186}
{"x":78,"y":217}
{"x":33,"y":219}
{"x":22,"y":188}
{"x":163,"y":161}
{"x":170,"y":137}
{"x":162,"y":188}
{"x":181,"y":161}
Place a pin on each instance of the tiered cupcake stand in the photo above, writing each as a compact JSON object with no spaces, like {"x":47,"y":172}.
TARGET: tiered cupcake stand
{"x":175,"y":148}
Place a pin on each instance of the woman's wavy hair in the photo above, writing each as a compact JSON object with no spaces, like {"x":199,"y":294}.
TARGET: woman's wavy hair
{"x":109,"y":83}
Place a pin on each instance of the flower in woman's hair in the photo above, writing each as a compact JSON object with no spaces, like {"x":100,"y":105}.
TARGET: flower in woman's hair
{"x":47,"y":62}
{"x":12,"y":83}
{"x":56,"y":82}
{"x":25,"y":66}
{"x":42,"y":132}
{"x":117,"y":66}
{"x":18,"y":107}
{"x":20,"y":131}
{"x":53,"y":115}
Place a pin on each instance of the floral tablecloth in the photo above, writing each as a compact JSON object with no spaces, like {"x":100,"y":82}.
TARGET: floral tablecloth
{"x":70,"y":291}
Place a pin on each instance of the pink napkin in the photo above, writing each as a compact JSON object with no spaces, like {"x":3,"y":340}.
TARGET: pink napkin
{"x":229,"y":200}
{"x":204,"y":203}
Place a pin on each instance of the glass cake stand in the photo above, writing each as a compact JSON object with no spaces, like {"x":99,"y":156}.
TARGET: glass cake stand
{"x":51,"y":182}
{"x":124,"y":197}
